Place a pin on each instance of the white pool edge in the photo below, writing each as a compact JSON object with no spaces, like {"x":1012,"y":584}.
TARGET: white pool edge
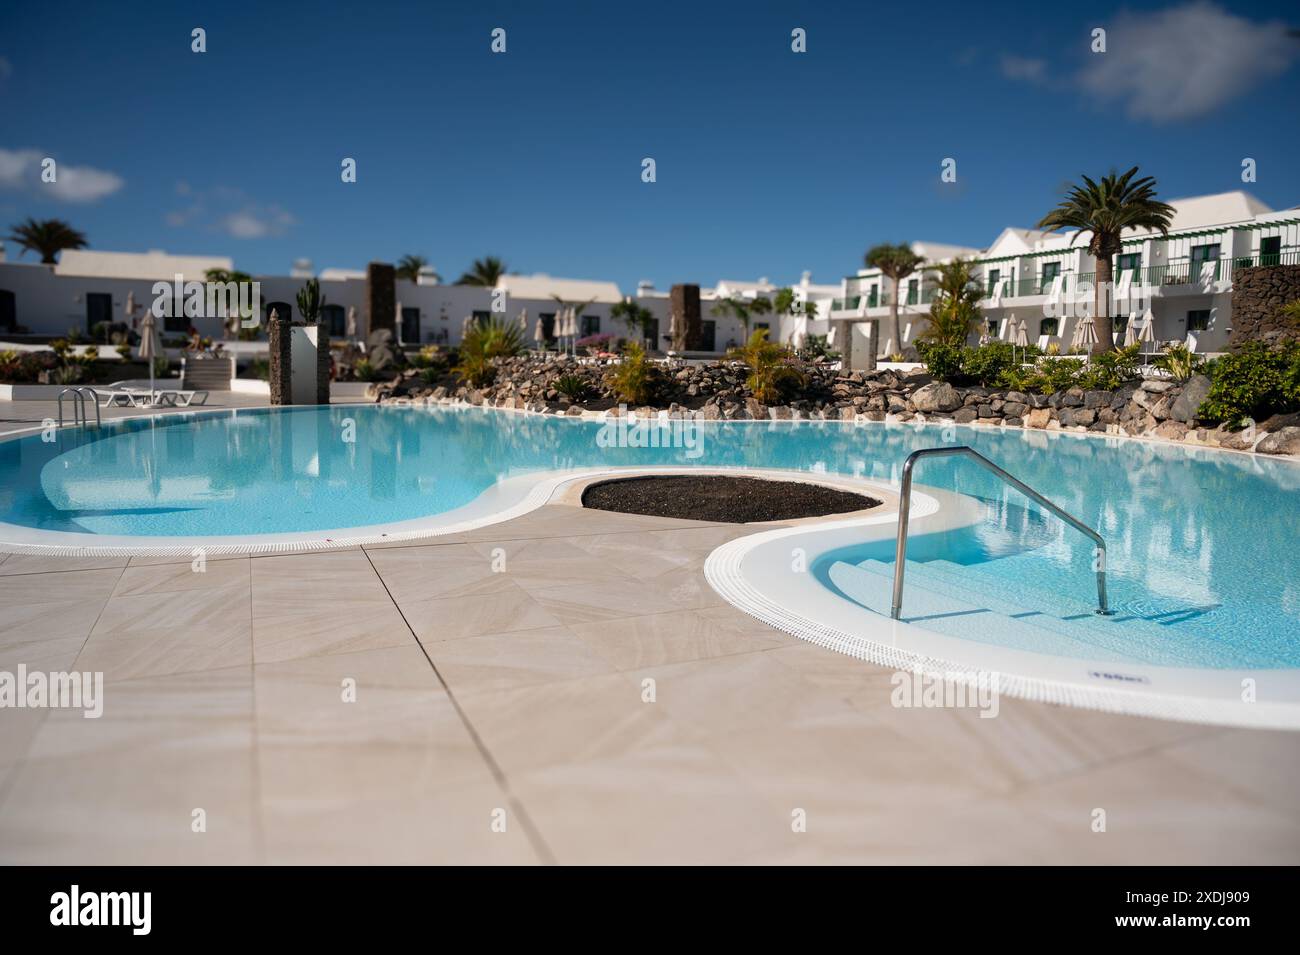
{"x":903,"y":646}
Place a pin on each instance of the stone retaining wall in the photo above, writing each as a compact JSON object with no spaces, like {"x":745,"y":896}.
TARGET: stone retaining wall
{"x":1153,"y":409}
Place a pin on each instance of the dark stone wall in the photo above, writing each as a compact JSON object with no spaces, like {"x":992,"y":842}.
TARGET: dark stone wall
{"x":322,"y":364}
{"x":381,"y":297}
{"x":1258,"y":295}
{"x":684,"y":301}
{"x":280,"y":334}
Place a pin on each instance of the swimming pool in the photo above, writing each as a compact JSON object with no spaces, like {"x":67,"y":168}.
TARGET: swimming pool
{"x":1202,"y":543}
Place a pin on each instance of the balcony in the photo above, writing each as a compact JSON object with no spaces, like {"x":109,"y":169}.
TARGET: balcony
{"x":854,"y":302}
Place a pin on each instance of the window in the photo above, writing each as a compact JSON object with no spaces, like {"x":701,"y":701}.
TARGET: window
{"x":481,"y":318}
{"x":873,"y":296}
{"x":590,"y":325}
{"x":1128,"y":262}
{"x":913,"y":289}
{"x":763,"y":327}
{"x":282,"y":309}
{"x":991,"y":327}
{"x":1201,"y":254}
{"x":8,"y":313}
{"x":1198,"y":320}
{"x":1049,"y":326}
{"x":995,"y":276}
{"x":335,"y":319}
{"x":175,"y":320}
{"x":1050,"y":272}
{"x":548,"y":325}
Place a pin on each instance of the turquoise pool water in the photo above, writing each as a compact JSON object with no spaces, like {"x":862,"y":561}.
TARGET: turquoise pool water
{"x":1200,"y":541}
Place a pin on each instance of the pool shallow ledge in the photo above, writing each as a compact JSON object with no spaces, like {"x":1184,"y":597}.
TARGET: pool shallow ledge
{"x":754,"y":574}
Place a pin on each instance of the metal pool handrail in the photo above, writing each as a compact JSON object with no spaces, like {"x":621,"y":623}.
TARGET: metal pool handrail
{"x":80,"y":395}
{"x":905,"y":506}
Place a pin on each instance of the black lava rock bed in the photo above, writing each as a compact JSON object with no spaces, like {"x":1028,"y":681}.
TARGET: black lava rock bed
{"x":732,"y":500}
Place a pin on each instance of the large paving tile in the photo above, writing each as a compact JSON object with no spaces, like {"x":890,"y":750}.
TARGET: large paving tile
{"x":451,"y":618}
{"x":174,"y":631}
{"x":518,"y":658}
{"x":670,"y":804}
{"x":17,"y":564}
{"x":532,"y":727}
{"x":321,"y":604}
{"x":455,"y":570}
{"x":122,"y":789}
{"x":738,"y":692}
{"x":630,"y":643}
{"x":63,"y":605}
{"x":174,"y":577}
{"x":393,"y":777}
{"x":1160,"y":811}
{"x":1026,"y":743}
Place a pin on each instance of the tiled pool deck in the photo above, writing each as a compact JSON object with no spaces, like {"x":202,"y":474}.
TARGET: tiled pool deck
{"x":483,"y":688}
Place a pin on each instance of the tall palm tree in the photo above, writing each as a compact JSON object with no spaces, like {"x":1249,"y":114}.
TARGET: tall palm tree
{"x":955,"y":311}
{"x":409,"y":267}
{"x":896,"y":262}
{"x":47,"y":237}
{"x":485,"y":272}
{"x":1106,"y":209}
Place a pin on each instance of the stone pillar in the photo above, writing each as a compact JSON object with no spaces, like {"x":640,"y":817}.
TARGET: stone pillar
{"x":280,"y":334}
{"x":684,"y":302}
{"x":322,"y":363}
{"x":862,"y":357}
{"x":381,"y":297}
{"x":1258,"y":295}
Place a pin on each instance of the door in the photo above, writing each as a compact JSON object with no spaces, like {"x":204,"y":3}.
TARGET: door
{"x":708,"y":335}
{"x":99,"y":308}
{"x":1270,"y":250}
{"x":411,"y":326}
{"x":8,"y":313}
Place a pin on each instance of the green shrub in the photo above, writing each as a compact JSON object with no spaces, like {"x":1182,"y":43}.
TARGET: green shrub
{"x":1255,"y":382}
{"x":634,"y":379}
{"x":484,"y":342}
{"x":1108,"y":370}
{"x":1180,"y":362}
{"x":572,"y":387}
{"x":364,"y":370}
{"x":984,"y":365}
{"x":942,"y":360}
{"x":771,"y":376}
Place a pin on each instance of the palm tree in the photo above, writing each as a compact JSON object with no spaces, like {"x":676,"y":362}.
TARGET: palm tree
{"x":409,"y":267}
{"x":895,"y":262}
{"x":955,"y":311}
{"x":485,"y":272}
{"x":636,"y":317}
{"x":47,"y":237}
{"x":1106,"y":209}
{"x":740,"y":308}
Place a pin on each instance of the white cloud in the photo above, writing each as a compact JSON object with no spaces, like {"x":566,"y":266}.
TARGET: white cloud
{"x":1186,"y":61}
{"x":231,"y":212}
{"x":20,"y":169}
{"x":1023,"y":68}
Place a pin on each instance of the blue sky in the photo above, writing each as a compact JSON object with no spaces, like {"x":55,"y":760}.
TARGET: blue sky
{"x":768,"y":162}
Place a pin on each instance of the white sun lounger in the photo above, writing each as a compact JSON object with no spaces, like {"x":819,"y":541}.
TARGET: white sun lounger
{"x":119,"y":397}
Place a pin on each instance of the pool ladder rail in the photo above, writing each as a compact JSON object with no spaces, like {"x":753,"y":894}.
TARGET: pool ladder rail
{"x":905,"y":507}
{"x":80,"y":395}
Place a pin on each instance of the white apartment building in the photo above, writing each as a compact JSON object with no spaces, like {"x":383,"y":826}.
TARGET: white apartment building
{"x":1183,"y":280}
{"x":86,"y":288}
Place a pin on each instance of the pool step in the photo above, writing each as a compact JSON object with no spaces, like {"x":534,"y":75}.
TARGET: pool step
{"x":940,"y":611}
{"x":1114,"y":638}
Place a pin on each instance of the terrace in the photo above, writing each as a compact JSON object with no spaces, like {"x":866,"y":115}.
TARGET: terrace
{"x":599,"y":696}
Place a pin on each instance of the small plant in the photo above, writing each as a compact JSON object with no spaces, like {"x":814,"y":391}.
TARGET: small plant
{"x":634,"y":379}
{"x":771,"y":376}
{"x":428,"y":357}
{"x":260,"y":368}
{"x":310,"y":301}
{"x":1108,"y":370}
{"x":898,"y":357}
{"x":431,"y":374}
{"x":1053,"y":349}
{"x":1180,"y":362}
{"x":484,"y":342}
{"x":364,"y":370}
{"x":572,"y":387}
{"x":123,"y":351}
{"x":814,"y":348}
